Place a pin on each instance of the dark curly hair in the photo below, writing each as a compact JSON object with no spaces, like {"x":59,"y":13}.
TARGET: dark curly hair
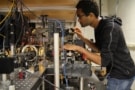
{"x":88,"y":6}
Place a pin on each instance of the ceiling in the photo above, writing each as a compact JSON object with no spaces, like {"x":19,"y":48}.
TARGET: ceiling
{"x":58,"y":9}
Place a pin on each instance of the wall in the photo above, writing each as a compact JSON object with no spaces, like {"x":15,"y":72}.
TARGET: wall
{"x":125,"y":10}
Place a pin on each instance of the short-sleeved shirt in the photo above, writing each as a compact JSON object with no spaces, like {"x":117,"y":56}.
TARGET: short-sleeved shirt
{"x":114,"y":51}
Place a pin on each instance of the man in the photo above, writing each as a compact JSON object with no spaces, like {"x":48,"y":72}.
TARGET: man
{"x":109,"y":42}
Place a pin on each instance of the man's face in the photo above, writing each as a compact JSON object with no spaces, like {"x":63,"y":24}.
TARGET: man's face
{"x":82,"y":18}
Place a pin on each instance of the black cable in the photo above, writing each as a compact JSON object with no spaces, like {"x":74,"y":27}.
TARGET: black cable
{"x":22,"y":24}
{"x":30,"y":10}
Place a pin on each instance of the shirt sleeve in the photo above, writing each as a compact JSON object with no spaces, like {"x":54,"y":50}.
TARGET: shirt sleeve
{"x":109,"y":43}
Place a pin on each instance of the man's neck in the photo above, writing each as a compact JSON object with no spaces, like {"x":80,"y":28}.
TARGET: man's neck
{"x":96,"y":22}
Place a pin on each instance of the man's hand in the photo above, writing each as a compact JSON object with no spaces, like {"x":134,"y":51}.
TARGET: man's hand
{"x":78,"y":32}
{"x":70,"y":47}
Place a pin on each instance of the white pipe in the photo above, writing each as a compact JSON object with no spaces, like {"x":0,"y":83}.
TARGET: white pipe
{"x":56,"y":60}
{"x":4,"y":77}
{"x":12,"y":50}
{"x":11,"y":87}
{"x":81,"y":83}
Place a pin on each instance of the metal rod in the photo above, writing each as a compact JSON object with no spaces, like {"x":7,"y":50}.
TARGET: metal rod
{"x":100,"y":4}
{"x":56,"y":60}
{"x":81,"y":83}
